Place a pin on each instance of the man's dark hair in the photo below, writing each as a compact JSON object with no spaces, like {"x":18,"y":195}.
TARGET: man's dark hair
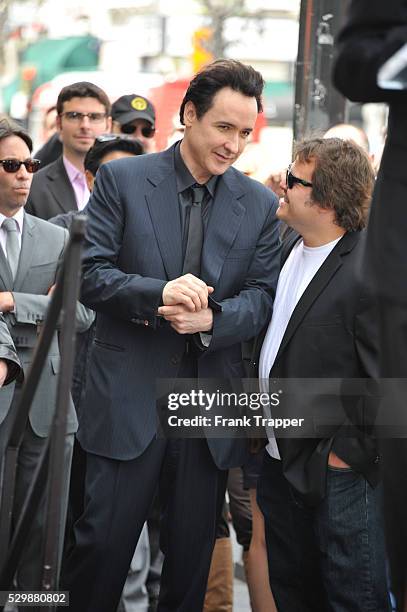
{"x":9,"y":128}
{"x":343,"y":179}
{"x":217,"y":75}
{"x":82,"y":89}
{"x":102,"y":147}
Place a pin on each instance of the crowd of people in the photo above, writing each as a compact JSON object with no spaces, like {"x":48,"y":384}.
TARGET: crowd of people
{"x":192,"y":271}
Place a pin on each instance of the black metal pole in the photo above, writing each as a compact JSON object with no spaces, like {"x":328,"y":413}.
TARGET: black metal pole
{"x":317,"y":104}
{"x":57,"y":466}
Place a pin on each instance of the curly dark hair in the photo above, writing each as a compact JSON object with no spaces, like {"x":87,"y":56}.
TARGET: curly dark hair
{"x":343,"y":179}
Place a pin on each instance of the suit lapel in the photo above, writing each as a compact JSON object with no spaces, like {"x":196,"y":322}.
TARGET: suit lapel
{"x":28,"y":251}
{"x":6,"y":279}
{"x":330,"y":266}
{"x":163,"y":206}
{"x":225,"y":219}
{"x":60,"y":186}
{"x":224,"y":223}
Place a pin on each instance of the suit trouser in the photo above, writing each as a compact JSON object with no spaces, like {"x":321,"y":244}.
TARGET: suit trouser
{"x":29,"y":571}
{"x":135,"y":596}
{"x":118,"y":495}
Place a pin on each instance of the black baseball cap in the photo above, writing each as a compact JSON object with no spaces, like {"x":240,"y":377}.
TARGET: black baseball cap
{"x":129,"y":108}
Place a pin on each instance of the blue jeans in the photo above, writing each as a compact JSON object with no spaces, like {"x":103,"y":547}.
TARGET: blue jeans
{"x":328,"y":558}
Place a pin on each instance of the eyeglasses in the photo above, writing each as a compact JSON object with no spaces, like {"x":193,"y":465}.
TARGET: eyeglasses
{"x":14,"y":165}
{"x":291,"y":179}
{"x":76,"y":117}
{"x":130,"y":128}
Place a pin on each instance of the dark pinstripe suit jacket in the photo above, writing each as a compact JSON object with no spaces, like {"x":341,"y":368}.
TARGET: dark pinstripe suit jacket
{"x":133,"y":248}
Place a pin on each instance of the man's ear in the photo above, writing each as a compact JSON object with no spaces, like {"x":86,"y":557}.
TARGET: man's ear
{"x":59,"y":123}
{"x":189,"y":113}
{"x":90,"y":179}
{"x":108,"y":124}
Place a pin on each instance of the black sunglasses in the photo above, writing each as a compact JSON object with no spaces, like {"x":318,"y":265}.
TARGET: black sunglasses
{"x":130,"y":128}
{"x":14,"y":165}
{"x":291,"y":179}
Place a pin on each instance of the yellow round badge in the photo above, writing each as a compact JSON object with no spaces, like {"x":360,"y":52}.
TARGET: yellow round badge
{"x":139,"y":104}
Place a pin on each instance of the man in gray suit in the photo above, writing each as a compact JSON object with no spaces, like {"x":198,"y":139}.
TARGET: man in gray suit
{"x":83,"y":114}
{"x":29,"y":255}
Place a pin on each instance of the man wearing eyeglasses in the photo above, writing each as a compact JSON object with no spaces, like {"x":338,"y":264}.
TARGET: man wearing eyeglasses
{"x":83,"y":114}
{"x":30,"y":251}
{"x":134,"y":114}
{"x":319,"y":489}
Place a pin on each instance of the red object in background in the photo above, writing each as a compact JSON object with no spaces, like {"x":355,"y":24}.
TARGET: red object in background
{"x":167,"y":100}
{"x":28,"y":73}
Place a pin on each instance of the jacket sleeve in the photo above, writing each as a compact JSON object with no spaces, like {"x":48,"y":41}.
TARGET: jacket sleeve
{"x":8,"y":353}
{"x":31,"y":308}
{"x":243,"y":316}
{"x":105,"y":287}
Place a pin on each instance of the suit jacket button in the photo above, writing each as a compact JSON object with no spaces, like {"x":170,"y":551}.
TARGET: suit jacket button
{"x":174,"y":360}
{"x":377,"y":459}
{"x":146,"y":322}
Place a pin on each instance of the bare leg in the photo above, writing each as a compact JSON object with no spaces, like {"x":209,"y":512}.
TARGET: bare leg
{"x":256,"y":566}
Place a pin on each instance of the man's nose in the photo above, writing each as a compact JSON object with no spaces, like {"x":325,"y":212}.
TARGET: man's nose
{"x":232,"y":144}
{"x":22,"y":173}
{"x":138,"y":133}
{"x":85,"y":121}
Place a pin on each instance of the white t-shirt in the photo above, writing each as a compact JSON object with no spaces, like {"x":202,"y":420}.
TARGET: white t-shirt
{"x":295,"y":276}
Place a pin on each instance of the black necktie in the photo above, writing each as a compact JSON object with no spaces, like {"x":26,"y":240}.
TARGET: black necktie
{"x":192,"y":259}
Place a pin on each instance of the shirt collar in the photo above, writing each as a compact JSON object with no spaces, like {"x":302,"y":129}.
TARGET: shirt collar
{"x":183,"y":176}
{"x":19,"y":217}
{"x":72,"y":171}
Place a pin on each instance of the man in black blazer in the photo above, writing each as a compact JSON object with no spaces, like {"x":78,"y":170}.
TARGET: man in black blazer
{"x":375,"y":31}
{"x":319,"y":493}
{"x":176,"y":290}
{"x":83,"y":114}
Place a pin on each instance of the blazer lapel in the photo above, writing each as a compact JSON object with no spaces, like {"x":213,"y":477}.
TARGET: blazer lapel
{"x":60,"y":186}
{"x":163,"y":205}
{"x":27,"y":253}
{"x":330,"y":266}
{"x":224,"y":222}
{"x":6,"y":279}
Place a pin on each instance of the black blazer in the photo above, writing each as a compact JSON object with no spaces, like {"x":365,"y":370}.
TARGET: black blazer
{"x":331,"y":334}
{"x":51,"y":192}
